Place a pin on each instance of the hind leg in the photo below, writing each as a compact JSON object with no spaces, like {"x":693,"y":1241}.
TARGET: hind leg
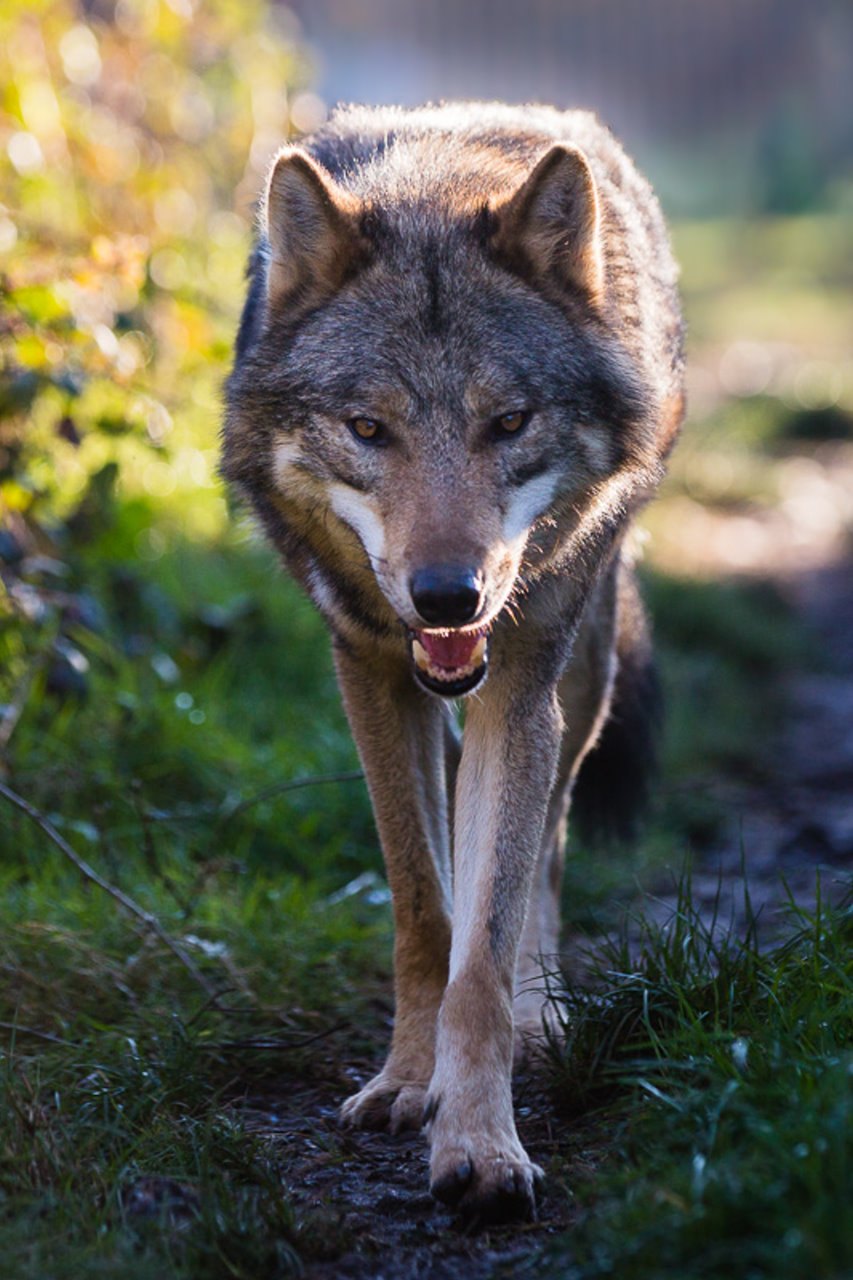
{"x":540,"y":940}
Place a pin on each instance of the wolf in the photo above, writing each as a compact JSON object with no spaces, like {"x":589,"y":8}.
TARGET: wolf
{"x":458,"y":375}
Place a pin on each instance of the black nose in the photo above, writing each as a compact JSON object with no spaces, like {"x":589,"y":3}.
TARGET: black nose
{"x":447,"y":595}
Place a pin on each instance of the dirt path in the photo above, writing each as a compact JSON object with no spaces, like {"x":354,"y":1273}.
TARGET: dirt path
{"x":366,"y":1195}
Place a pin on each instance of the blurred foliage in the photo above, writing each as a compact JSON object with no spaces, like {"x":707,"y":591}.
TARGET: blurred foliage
{"x":124,"y":133}
{"x":132,"y":142}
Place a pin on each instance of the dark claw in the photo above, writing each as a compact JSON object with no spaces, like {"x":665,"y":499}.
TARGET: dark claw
{"x":502,"y":1206}
{"x":400,"y":1124}
{"x":450,"y":1189}
{"x":431,"y":1108}
{"x":509,"y":1201}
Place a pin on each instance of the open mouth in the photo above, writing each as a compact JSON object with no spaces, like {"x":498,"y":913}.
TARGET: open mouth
{"x":449,"y":662}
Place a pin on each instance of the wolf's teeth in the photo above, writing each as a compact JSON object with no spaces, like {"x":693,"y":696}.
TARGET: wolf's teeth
{"x":420,"y":655}
{"x":448,"y":675}
{"x":451,"y":674}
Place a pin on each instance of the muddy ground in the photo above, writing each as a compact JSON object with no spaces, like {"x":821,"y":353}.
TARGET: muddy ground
{"x":366,"y":1196}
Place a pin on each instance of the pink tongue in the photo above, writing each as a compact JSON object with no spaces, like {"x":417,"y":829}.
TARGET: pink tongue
{"x":452,"y":650}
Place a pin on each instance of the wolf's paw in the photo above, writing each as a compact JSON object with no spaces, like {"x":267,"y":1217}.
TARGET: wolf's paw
{"x":386,"y":1102}
{"x":486,"y":1185}
{"x":486,"y":1177}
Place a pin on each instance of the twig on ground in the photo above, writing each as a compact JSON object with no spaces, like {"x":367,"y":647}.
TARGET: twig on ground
{"x":189,"y":813}
{"x":150,"y":921}
{"x":149,"y":849}
{"x":40,"y":1035}
{"x":276,"y":1042}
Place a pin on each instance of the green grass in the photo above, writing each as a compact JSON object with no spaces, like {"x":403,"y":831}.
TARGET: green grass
{"x":77,"y":1151}
{"x":725,"y":1076}
{"x":167,"y":704}
{"x":206,"y":682}
{"x":716,"y":1080}
{"x":116,"y":1066}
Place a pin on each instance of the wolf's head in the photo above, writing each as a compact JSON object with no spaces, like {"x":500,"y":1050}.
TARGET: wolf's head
{"x":427,"y":383}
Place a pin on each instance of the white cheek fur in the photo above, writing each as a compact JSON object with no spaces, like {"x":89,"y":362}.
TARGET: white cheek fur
{"x":361,"y":515}
{"x":350,"y":506}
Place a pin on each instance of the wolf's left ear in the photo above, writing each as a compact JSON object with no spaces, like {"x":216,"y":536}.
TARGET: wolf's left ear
{"x":312,"y":227}
{"x":550,"y":227}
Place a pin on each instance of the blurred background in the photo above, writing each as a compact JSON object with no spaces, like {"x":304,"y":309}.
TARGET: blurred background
{"x":160,"y":679}
{"x":734,"y":105}
{"x":167,"y":700}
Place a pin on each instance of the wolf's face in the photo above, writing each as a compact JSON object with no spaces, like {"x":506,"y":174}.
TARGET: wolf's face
{"x":429,"y":406}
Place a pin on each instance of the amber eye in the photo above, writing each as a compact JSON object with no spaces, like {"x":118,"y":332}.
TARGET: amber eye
{"x":367,"y":429}
{"x":509,"y":424}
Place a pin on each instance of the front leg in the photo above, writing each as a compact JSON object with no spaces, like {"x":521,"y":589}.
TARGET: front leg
{"x":509,"y":757}
{"x":407,"y":750}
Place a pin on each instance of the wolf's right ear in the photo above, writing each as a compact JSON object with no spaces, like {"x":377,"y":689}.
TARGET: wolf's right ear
{"x":311,"y":224}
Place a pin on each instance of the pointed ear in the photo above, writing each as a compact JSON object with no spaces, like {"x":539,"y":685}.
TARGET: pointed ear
{"x":549,"y":229}
{"x":312,"y":227}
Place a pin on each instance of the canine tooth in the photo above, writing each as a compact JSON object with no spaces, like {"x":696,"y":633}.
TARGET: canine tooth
{"x":479,"y":652}
{"x":420,"y":655}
